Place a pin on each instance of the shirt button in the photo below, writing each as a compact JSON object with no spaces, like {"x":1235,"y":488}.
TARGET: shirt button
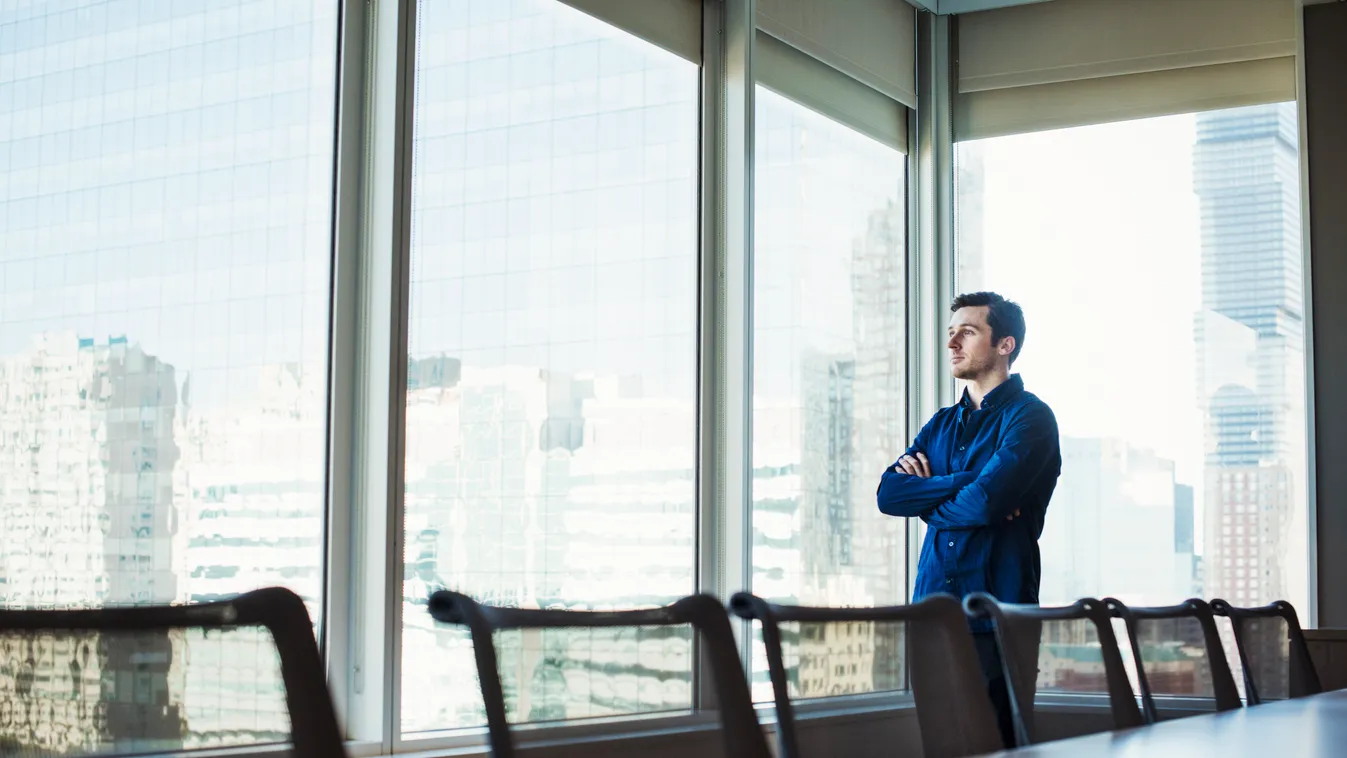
{"x":963,"y":447}
{"x":949,"y":581}
{"x":951,"y":543}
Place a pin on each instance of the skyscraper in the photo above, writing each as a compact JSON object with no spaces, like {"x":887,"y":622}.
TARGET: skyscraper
{"x":88,"y":470}
{"x":1185,"y":546}
{"x":852,"y":424}
{"x":116,"y":493}
{"x":1112,"y":527}
{"x":103,"y":493}
{"x":1250,"y":337}
{"x":827,"y":467}
{"x":878,"y":327}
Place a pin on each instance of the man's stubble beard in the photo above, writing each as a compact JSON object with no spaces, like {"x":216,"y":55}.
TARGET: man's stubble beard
{"x":971,"y":372}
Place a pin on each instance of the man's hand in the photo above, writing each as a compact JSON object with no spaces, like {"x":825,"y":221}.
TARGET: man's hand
{"x":917,"y":466}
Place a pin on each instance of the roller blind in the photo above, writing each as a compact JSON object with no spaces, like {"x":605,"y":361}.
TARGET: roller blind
{"x":675,"y":25}
{"x":871,"y":41}
{"x":1075,"y":62}
{"x":789,"y":72}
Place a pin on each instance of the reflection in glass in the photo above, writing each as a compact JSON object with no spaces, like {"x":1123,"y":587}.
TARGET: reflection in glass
{"x":840,"y":658}
{"x":1059,"y":656}
{"x":165,"y":206}
{"x":1267,"y":643}
{"x":135,"y":693}
{"x":551,"y":395}
{"x":1174,"y":655}
{"x":1159,"y":265}
{"x":828,"y":396}
{"x":1070,"y":657}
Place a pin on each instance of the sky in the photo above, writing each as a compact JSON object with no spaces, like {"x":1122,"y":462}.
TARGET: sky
{"x":1095,"y":231}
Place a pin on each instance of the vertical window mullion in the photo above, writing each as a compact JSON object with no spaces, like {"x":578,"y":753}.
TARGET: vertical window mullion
{"x":734,"y":311}
{"x":710,"y":384}
{"x":930,"y":282}
{"x":724,"y":535}
{"x":373,"y":282}
{"x":350,"y":156}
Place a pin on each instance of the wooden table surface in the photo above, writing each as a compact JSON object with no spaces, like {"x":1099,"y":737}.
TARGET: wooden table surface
{"x":1311,"y":727}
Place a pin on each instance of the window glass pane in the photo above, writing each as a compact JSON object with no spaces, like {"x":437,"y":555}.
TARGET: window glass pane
{"x":164,"y":259}
{"x":828,"y":388}
{"x":1159,"y":265}
{"x":551,"y":408}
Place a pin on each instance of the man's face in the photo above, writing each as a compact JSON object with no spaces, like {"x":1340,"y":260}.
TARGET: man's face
{"x":972,"y":352}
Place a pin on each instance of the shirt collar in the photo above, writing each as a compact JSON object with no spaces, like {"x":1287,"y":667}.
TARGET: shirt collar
{"x":1004,"y":393}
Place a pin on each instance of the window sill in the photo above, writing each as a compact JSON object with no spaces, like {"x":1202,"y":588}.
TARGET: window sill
{"x":628,"y":732}
{"x":472,"y":742}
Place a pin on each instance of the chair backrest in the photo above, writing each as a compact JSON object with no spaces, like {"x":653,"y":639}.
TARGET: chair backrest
{"x":1064,"y":649}
{"x":1272,"y":650}
{"x":953,"y":711}
{"x":150,"y":679}
{"x":1178,"y":651}
{"x":740,"y":729}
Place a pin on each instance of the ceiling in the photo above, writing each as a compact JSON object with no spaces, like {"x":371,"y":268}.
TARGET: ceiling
{"x":951,"y":7}
{"x":955,"y":7}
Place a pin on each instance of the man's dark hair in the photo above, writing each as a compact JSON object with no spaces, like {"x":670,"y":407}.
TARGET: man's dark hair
{"x":1005,"y":317}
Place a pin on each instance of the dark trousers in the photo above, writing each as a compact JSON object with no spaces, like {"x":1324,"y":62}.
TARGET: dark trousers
{"x":990,"y":657}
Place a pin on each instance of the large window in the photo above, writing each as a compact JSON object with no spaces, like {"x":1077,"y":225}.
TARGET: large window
{"x":215,"y":224}
{"x":165,"y":213}
{"x":552,"y":375}
{"x":828,"y":388}
{"x":1159,"y":266}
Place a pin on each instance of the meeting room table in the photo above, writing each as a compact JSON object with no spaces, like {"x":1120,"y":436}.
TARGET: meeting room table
{"x":1309,"y":727}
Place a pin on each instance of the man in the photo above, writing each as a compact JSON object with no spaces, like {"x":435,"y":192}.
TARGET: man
{"x":980,"y":474}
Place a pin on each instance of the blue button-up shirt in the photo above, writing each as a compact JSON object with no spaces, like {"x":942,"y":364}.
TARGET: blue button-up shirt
{"x":985,"y":465}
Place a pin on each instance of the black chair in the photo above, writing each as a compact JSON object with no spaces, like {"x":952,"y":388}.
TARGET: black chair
{"x":741,"y":732}
{"x":1066,"y":649}
{"x":1178,"y":652}
{"x":954,"y":714}
{"x":113,"y":677}
{"x":1272,"y":650}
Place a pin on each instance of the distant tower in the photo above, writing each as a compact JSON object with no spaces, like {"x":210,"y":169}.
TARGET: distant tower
{"x":1250,"y":337}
